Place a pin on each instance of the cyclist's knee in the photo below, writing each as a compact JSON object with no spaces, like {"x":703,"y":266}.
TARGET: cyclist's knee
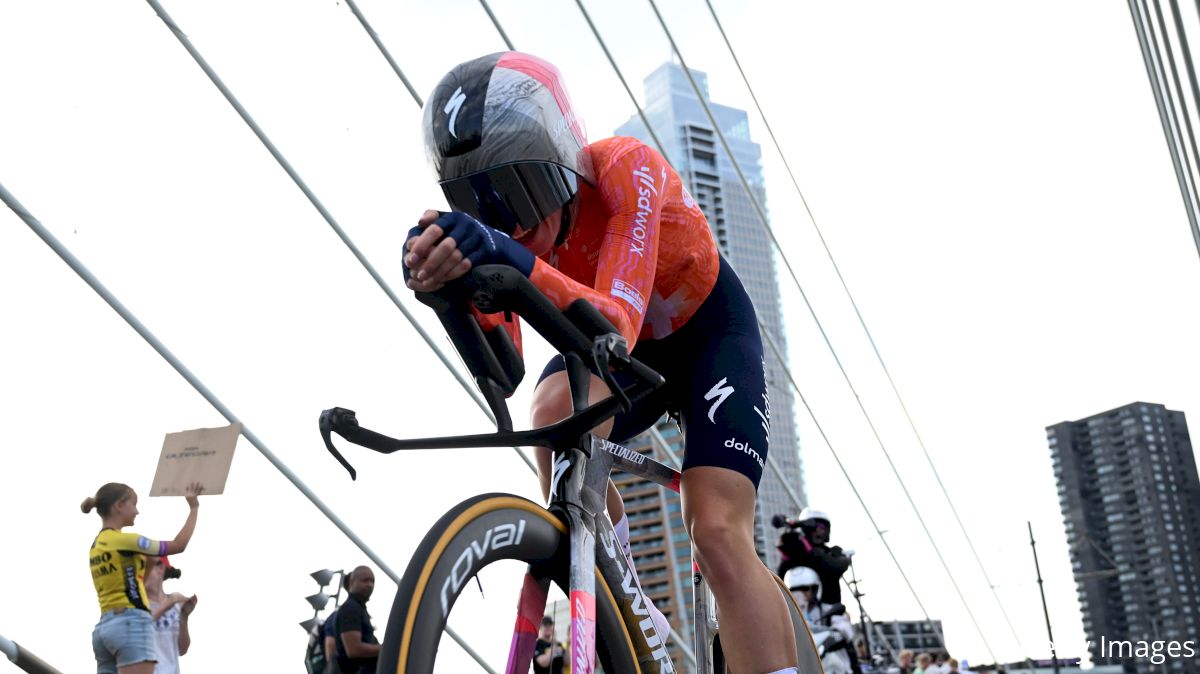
{"x":551,"y":400}
{"x":719,"y":511}
{"x":723,"y":550}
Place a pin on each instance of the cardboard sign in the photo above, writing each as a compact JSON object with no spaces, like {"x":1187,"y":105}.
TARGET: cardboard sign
{"x":202,"y":455}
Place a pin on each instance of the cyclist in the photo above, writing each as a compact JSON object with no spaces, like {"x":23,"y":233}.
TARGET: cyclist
{"x":123,"y":640}
{"x":612,"y":222}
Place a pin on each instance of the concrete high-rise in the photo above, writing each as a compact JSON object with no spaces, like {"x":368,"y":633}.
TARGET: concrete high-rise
{"x":1130,"y":497}
{"x":659,"y":542}
{"x":692,"y":147}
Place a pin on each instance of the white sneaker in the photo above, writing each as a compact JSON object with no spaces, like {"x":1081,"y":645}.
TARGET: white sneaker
{"x":661,"y":625}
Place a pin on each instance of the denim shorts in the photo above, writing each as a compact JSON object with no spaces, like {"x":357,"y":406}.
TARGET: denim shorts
{"x":123,"y":639}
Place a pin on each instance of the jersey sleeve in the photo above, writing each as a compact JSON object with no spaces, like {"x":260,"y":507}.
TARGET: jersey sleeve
{"x":131,"y":542}
{"x":489,"y":322}
{"x":632,"y":189}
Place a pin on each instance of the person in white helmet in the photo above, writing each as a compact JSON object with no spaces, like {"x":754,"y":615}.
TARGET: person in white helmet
{"x":831,"y":629}
{"x":806,"y":543}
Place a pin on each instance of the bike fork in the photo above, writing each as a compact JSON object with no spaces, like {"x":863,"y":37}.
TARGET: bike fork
{"x":583,"y":592}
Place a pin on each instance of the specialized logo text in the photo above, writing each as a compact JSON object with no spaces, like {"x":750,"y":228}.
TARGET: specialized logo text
{"x":624,"y":453}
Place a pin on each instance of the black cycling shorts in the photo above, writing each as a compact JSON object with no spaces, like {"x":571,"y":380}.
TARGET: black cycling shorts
{"x":715,"y":383}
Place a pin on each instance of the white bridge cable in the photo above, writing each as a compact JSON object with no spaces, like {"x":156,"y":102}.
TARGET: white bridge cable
{"x":1166,"y":112}
{"x":862,"y":321}
{"x":791,"y":493}
{"x":496,"y":22}
{"x":646,"y":122}
{"x":1188,"y":160}
{"x":779,"y":356}
{"x":386,"y":54}
{"x":661,"y":442}
{"x":84,"y":273}
{"x":766,"y":226}
{"x":287,"y":167}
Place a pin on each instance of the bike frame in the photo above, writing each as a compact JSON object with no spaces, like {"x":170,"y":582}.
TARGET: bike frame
{"x":582,"y":462}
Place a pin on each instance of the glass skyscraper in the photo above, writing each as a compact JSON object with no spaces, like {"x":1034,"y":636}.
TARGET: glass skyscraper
{"x":660,"y":544}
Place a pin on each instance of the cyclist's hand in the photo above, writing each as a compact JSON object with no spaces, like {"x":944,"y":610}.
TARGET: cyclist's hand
{"x":433,"y":262}
{"x":431,"y":259}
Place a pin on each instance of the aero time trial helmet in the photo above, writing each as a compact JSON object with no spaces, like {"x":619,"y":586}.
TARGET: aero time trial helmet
{"x":504,"y":141}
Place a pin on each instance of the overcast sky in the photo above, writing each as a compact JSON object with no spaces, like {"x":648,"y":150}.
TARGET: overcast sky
{"x":991,"y":178}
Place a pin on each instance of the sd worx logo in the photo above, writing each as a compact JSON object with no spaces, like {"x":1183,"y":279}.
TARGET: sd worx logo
{"x":638,"y":604}
{"x":645,"y":208}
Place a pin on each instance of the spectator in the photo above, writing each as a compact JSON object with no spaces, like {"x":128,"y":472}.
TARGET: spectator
{"x":953,"y":666}
{"x":923,"y":661}
{"x":123,"y":641}
{"x":939,"y":666}
{"x":329,"y":637}
{"x":548,"y":654}
{"x":357,"y":647}
{"x":170,"y":614}
{"x":831,"y":630}
{"x":906,"y":661}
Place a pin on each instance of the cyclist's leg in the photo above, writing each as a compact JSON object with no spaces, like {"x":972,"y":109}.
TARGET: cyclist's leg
{"x":726,"y":418}
{"x":756,"y":630}
{"x":552,"y":403}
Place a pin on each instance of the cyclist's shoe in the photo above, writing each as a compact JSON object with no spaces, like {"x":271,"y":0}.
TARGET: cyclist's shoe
{"x":660,"y":621}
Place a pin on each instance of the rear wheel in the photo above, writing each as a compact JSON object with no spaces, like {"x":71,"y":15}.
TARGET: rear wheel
{"x":475,"y":533}
{"x":810,"y":661}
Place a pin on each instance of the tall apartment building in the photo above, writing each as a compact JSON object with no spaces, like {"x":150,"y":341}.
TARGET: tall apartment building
{"x":1130,"y":497}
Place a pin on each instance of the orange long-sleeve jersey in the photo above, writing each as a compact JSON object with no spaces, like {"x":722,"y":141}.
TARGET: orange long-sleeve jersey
{"x":640,"y":248}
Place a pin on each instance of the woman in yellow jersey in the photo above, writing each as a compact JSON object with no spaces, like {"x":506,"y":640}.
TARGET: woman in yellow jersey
{"x":123,"y":640}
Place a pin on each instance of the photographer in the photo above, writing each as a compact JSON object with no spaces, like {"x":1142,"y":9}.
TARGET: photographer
{"x":805,"y":543}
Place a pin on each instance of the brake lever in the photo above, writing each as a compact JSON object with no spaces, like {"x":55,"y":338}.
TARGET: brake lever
{"x":333,"y":419}
{"x":615,"y":346}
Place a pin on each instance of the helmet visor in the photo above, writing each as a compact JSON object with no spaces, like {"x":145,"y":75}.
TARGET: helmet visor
{"x":513,"y":198}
